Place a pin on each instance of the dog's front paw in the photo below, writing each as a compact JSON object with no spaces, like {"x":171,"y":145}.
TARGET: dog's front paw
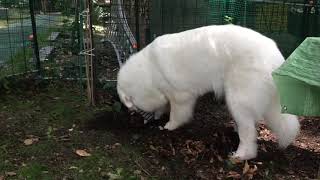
{"x":244,"y":154}
{"x":171,"y":125}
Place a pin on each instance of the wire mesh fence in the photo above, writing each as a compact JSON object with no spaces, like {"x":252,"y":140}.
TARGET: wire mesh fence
{"x":287,"y":22}
{"x":15,"y":27}
{"x":132,"y":24}
{"x":48,"y":28}
{"x":118,"y":32}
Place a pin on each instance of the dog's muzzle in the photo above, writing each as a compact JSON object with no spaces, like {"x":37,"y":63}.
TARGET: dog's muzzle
{"x":146,"y":116}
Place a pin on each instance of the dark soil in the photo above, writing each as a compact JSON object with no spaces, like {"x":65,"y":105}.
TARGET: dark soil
{"x":200,"y":149}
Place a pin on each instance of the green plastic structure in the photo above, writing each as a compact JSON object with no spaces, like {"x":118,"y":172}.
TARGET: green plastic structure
{"x":298,"y":80}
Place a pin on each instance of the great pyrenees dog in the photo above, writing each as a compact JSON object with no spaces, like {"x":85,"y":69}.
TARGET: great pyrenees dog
{"x":232,"y":61}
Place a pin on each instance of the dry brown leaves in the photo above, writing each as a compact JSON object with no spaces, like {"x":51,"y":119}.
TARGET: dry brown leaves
{"x":112,"y":147}
{"x":265,"y":134}
{"x":10,"y":173}
{"x":167,"y":151}
{"x":233,"y":174}
{"x":249,"y":171}
{"x":192,"y":150}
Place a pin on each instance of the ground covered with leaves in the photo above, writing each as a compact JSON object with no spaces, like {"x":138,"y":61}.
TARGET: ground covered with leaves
{"x":48,"y":132}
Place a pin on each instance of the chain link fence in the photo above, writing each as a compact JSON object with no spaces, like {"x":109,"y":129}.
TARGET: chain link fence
{"x":41,"y":36}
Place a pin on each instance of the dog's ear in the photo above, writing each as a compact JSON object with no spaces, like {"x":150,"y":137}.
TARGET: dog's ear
{"x":127,"y":101}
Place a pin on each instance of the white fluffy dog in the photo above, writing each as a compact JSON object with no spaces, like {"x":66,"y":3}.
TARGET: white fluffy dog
{"x":232,"y":61}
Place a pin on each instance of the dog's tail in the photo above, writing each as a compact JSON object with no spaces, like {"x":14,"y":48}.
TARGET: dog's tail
{"x":285,"y":126}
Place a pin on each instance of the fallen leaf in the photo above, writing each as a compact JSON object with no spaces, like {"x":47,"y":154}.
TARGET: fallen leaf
{"x":153,"y":148}
{"x":221,"y":170}
{"x":290,"y":172}
{"x":73,"y":167}
{"x":253,"y":170}
{"x":11,"y":173}
{"x":113,"y":176}
{"x":137,"y":172}
{"x":116,"y":145}
{"x":30,"y":141}
{"x":220,"y":158}
{"x":245,"y":168}
{"x":82,"y":153}
{"x":201,"y":174}
{"x":233,"y":174}
{"x":192,"y":150}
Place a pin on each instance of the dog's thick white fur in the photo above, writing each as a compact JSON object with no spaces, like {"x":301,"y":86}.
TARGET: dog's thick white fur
{"x":232,"y":61}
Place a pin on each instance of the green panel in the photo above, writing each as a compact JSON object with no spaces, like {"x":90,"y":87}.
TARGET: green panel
{"x":298,"y":97}
{"x":298,"y":79}
{"x":304,"y":63}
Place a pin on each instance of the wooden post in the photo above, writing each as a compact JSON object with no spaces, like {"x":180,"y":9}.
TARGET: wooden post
{"x":92,"y":57}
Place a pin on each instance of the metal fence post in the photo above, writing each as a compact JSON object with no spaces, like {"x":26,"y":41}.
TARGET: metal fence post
{"x":35,"y":38}
{"x":10,"y":47}
{"x":137,"y":5}
{"x":23,"y":39}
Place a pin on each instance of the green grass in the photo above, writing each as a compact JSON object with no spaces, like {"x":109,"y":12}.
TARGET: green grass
{"x":3,"y":23}
{"x":34,"y":171}
{"x":99,"y":165}
{"x":48,"y":115}
{"x":19,"y":63}
{"x":17,"y":13}
{"x":14,"y":16}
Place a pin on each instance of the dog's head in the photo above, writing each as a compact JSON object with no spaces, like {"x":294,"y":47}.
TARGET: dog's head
{"x":139,"y":98}
{"x":136,"y":88}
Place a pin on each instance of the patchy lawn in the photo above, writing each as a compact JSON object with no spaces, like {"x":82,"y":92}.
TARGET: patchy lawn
{"x":40,"y":134}
{"x":50,"y":133}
